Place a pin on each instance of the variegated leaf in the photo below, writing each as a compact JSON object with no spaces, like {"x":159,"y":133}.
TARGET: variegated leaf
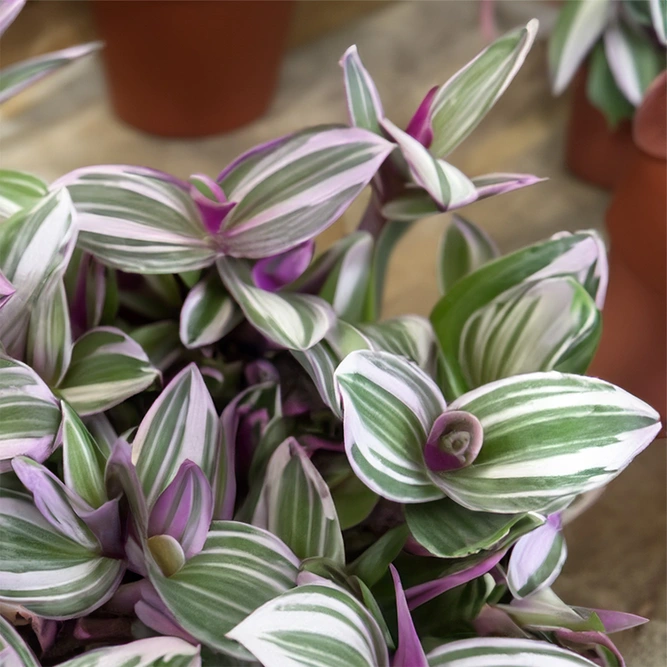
{"x":532,"y":327}
{"x":462,"y":102}
{"x":363,"y":100}
{"x":29,"y":414}
{"x":151,"y":652}
{"x":18,"y":191}
{"x":320,"y":625}
{"x":659,"y":19}
{"x":294,"y":189}
{"x":448,"y":187}
{"x":138,"y":220}
{"x":6,"y":290}
{"x":464,"y":248}
{"x":107,"y":367}
{"x":208,"y":313}
{"x":49,"y":346}
{"x":295,"y":321}
{"x":504,"y":652}
{"x":448,"y":530}
{"x":547,"y":438}
{"x":296,"y":505}
{"x":17,"y":77}
{"x":634,"y":60}
{"x":9,"y":10}
{"x":35,"y":246}
{"x":181,"y":424}
{"x":14,"y":652}
{"x":47,"y":573}
{"x":389,"y":407}
{"x":537,"y":559}
{"x":579,"y":255}
{"x":579,"y":26}
{"x":84,"y":461}
{"x":239,"y":569}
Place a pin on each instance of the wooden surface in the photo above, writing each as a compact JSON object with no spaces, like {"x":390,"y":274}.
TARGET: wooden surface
{"x":617,"y":549}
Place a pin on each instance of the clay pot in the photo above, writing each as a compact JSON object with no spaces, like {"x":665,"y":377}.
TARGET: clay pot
{"x":189,"y":68}
{"x":595,"y":152}
{"x":633,"y":349}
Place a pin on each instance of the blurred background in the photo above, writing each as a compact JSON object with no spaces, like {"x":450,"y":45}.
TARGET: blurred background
{"x":266,"y":69}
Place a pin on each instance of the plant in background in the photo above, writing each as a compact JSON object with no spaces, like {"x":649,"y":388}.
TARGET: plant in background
{"x":623,"y":43}
{"x":213,"y":451}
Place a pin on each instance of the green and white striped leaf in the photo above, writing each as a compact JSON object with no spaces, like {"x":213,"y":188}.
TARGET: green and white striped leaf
{"x":389,"y":407}
{"x":35,"y":246}
{"x":317,"y":625}
{"x":448,"y":530}
{"x":547,"y":438}
{"x":295,"y":321}
{"x":578,"y":28}
{"x":151,"y":652}
{"x":289,"y":191}
{"x":48,"y":573}
{"x":363,"y":100}
{"x":14,"y":652}
{"x":659,"y":19}
{"x":532,"y":327}
{"x":29,"y":414}
{"x":84,"y":461}
{"x":296,"y":505}
{"x":504,"y":652}
{"x":462,"y":102}
{"x":107,"y":367}
{"x":18,"y":191}
{"x":579,"y":255}
{"x":449,"y":187}
{"x":208,"y":313}
{"x":464,"y":248}
{"x":537,"y":559}
{"x":181,"y":424}
{"x":138,"y":220}
{"x":239,"y":569}
{"x":49,"y":347}
{"x":15,"y":78}
{"x":634,"y":61}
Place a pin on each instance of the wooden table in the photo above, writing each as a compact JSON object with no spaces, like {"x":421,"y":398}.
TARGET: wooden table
{"x":617,"y":549}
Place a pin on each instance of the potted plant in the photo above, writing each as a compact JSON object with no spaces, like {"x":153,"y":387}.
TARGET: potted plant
{"x":612,"y":51}
{"x":213,"y":451}
{"x":190,"y":68}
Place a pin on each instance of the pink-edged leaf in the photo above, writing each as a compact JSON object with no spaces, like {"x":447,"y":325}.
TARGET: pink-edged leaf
{"x":409,"y":652}
{"x":272,"y":273}
{"x":154,"y":613}
{"x":210,"y":200}
{"x":537,"y":559}
{"x":363,"y":100}
{"x":184,"y":509}
{"x":490,"y":185}
{"x":57,"y":504}
{"x":615,"y":621}
{"x":17,"y":77}
{"x":453,"y":442}
{"x":448,"y":186}
{"x":590,"y":640}
{"x":29,"y":414}
{"x":6,"y":289}
{"x":105,"y":524}
{"x":421,"y":593}
{"x":9,"y":10}
{"x":420,"y":126}
{"x":297,"y":188}
{"x":14,"y":652}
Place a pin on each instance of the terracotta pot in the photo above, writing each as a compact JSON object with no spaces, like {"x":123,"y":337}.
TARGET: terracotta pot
{"x":633,"y":349}
{"x":189,"y":68}
{"x":594,"y":152}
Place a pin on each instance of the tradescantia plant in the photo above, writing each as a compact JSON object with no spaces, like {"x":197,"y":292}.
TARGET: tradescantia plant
{"x":213,"y":451}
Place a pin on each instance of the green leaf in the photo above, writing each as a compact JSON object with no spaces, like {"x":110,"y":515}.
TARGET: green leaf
{"x":464,"y":248}
{"x":372,"y":565}
{"x":161,"y":342}
{"x":14,"y":652}
{"x":461,"y":103}
{"x":48,"y":573}
{"x":296,"y":505}
{"x":295,"y":321}
{"x":107,"y":367}
{"x":18,"y":191}
{"x":448,"y":530}
{"x":239,"y":569}
{"x":315,"y":624}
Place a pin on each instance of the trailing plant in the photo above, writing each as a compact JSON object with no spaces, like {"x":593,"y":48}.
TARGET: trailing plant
{"x":213,"y":450}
